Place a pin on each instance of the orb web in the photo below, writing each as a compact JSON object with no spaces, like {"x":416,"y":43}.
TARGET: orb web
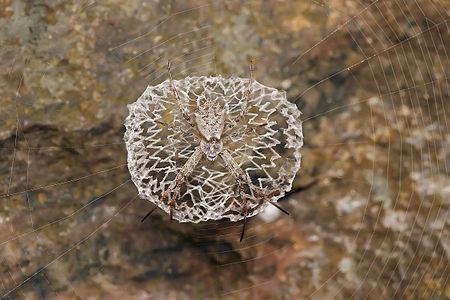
{"x":266,"y":146}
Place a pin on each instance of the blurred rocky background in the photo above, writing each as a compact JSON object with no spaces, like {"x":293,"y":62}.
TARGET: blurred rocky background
{"x":369,"y":207}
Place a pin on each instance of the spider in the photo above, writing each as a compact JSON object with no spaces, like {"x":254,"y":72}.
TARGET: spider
{"x":209,"y":123}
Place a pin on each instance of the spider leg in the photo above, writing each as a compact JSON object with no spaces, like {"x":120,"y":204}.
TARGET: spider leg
{"x":164,"y":196}
{"x":175,"y":195}
{"x":245,"y":219}
{"x":149,"y":213}
{"x":184,"y":111}
{"x":181,"y":177}
{"x":240,"y":176}
{"x":237,"y":133}
{"x":242,"y":195}
{"x":265,"y":197}
{"x":244,"y":107}
{"x":249,"y":92}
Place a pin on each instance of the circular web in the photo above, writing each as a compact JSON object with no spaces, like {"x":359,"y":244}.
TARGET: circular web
{"x":266,"y":146}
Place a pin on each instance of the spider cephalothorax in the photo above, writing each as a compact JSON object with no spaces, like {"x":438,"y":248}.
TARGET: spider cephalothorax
{"x":231,"y":127}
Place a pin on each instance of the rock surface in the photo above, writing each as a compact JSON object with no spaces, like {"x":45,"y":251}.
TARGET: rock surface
{"x":369,"y":207}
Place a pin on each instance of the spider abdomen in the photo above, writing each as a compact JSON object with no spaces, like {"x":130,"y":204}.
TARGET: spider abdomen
{"x":210,"y":120}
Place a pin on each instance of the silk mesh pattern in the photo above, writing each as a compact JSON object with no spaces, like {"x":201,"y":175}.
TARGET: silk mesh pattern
{"x":269,"y":155}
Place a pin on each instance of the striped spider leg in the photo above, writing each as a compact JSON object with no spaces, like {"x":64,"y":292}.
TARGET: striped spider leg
{"x":181,"y":177}
{"x":189,"y":166}
{"x":242,"y":178}
{"x":183,"y":109}
{"x":244,"y":108}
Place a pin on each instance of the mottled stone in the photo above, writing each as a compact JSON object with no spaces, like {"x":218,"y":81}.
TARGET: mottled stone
{"x":369,"y":208}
